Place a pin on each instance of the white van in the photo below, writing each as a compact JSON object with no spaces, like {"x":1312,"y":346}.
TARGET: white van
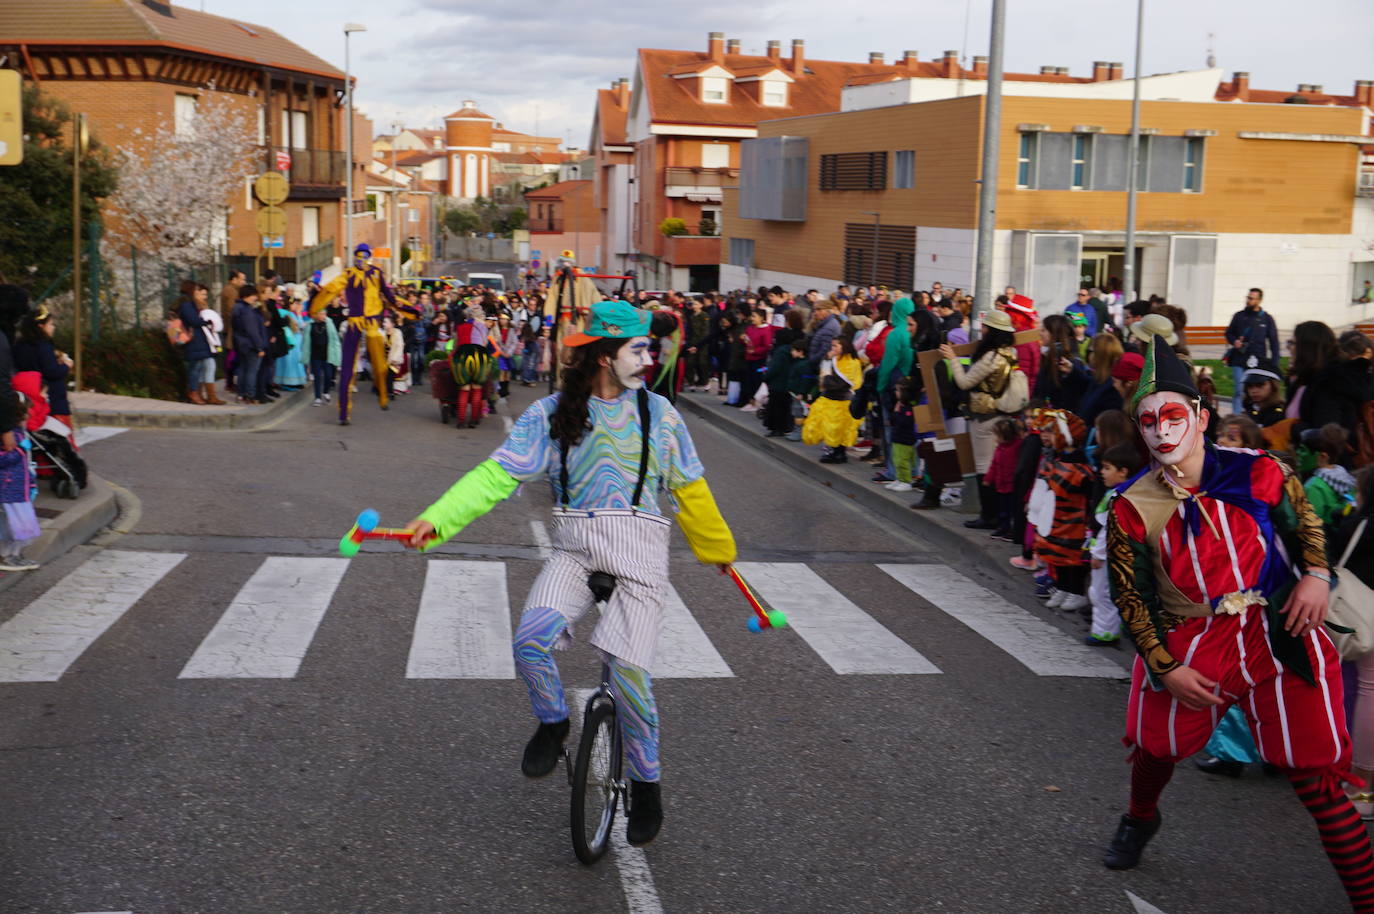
{"x":493,"y":281}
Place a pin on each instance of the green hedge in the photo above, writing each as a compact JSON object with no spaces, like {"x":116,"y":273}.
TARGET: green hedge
{"x":133,"y":363}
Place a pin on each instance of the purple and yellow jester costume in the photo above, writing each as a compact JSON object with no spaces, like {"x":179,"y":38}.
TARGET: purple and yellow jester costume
{"x":364,"y":286}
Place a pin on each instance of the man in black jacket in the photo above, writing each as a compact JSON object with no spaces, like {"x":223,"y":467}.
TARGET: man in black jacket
{"x":1250,"y":329}
{"x":14,"y":304}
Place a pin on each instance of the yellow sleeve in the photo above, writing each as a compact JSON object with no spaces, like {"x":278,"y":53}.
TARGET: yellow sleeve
{"x":700,"y":520}
{"x":327,"y":293}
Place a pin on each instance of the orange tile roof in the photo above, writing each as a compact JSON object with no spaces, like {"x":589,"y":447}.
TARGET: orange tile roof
{"x":610,"y":116}
{"x":469,"y":112}
{"x":559,"y":190}
{"x":415,"y":156}
{"x":115,"y":23}
{"x":1227,"y":91}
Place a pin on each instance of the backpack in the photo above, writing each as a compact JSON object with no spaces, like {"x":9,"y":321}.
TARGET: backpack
{"x":1015,"y":395}
{"x":177,"y":334}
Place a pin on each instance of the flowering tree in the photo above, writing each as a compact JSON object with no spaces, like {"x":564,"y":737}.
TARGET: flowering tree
{"x":175,"y":189}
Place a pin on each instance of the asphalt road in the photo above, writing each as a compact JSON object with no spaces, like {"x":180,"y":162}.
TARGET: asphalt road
{"x":341,"y":784}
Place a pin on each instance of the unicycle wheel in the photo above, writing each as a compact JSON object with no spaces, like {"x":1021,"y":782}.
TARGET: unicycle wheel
{"x":594,"y":794}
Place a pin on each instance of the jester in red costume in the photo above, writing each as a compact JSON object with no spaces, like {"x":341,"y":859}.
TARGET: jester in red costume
{"x":1218,"y":566}
{"x":364,"y":287}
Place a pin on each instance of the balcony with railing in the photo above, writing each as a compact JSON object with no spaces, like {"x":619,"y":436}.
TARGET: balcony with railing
{"x":1364,"y":184}
{"x":691,"y":250}
{"x":313,"y":173}
{"x":701,"y":185}
{"x":545,"y":225}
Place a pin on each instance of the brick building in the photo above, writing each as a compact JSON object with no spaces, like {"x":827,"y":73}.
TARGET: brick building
{"x":1239,"y":188}
{"x":563,"y":217}
{"x":142,"y":64}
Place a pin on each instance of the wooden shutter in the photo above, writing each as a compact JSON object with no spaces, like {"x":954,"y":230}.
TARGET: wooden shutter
{"x":896,"y":249}
{"x":854,"y":171}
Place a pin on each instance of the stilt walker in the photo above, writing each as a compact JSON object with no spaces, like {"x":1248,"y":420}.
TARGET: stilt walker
{"x":1218,"y":567}
{"x":364,"y":287}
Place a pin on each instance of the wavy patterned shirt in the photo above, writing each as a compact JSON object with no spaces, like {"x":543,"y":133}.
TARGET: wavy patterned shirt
{"x":604,"y":465}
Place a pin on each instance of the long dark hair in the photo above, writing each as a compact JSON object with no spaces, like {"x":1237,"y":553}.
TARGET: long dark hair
{"x":927,"y":335}
{"x":1314,"y":347}
{"x":993,"y":339}
{"x":569,"y":421}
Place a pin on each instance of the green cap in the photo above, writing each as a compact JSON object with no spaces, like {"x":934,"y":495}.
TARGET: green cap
{"x":611,"y":320}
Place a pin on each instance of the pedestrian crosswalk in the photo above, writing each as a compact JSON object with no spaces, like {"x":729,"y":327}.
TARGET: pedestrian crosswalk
{"x":462,"y":626}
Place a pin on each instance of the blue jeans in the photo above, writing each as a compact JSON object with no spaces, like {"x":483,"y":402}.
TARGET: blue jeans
{"x":196,"y":372}
{"x":248,"y":366}
{"x":1238,"y":398}
{"x":323,"y":373}
{"x":416,"y":354}
{"x":529,"y":368}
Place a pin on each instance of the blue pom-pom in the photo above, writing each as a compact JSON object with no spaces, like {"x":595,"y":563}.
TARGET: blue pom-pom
{"x":754,"y":625}
{"x":368,"y":520}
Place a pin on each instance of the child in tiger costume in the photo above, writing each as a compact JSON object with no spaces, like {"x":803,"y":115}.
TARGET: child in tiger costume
{"x":1066,"y":479}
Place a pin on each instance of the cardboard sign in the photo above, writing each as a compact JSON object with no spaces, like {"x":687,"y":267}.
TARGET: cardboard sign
{"x":930,"y":417}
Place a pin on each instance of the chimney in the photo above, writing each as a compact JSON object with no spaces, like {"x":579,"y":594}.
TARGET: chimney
{"x":912,"y":60}
{"x":980,"y":65}
{"x":732,"y":46}
{"x":1364,"y":92}
{"x":775,"y":50}
{"x":1100,"y":70}
{"x":950,"y":64}
{"x":1240,"y":85}
{"x":1116,"y":70}
{"x":715,"y":47}
{"x":622,"y":92}
{"x":875,"y":57}
{"x":1048,"y":71}
{"x":1310,"y":87}
{"x":798,"y":56}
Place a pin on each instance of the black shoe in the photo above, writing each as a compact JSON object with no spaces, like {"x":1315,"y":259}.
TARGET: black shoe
{"x":343,"y":422}
{"x":1001,"y":533}
{"x":873,"y":454}
{"x":1129,"y":842}
{"x":544,"y":748}
{"x":1226,"y":767}
{"x":386,"y":406}
{"x":926,"y":504}
{"x":645,"y":814}
{"x":776,"y":434}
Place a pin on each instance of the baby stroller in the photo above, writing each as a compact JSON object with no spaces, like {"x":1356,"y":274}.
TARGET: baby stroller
{"x":444,"y":388}
{"x":54,"y":450}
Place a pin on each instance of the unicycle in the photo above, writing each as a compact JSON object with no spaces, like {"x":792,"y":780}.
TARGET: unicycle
{"x":595,"y":772}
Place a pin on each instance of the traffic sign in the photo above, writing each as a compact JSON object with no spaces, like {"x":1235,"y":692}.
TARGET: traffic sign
{"x":535,"y":255}
{"x":272,"y":188}
{"x":271,"y":220}
{"x":273,"y":241}
{"x":11,"y":118}
{"x":534,"y":264}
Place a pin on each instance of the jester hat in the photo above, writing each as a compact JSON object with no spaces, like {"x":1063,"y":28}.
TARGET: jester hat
{"x":1163,"y":371}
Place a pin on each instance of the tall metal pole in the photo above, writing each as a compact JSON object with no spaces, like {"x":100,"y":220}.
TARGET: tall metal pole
{"x":1133,"y":165}
{"x":395,"y":233}
{"x":992,"y":150}
{"x":78,"y":144}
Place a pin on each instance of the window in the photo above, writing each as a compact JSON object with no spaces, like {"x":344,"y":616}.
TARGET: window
{"x":742,"y":252}
{"x":412,"y":214}
{"x":774,"y":93}
{"x":1081,"y":142}
{"x":184,"y":115}
{"x":262,"y":126}
{"x":1192,"y":166}
{"x":1025,"y":161}
{"x":715,"y":155}
{"x":713,"y":89}
{"x":310,"y":226}
{"x":854,"y":171}
{"x":294,"y":130}
{"x":904,"y":169}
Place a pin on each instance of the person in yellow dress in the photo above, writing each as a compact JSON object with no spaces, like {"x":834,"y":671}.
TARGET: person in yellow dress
{"x":829,"y":421}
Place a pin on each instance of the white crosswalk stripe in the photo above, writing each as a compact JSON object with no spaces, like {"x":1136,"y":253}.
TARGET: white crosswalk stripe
{"x":47,"y":636}
{"x":464,"y":621}
{"x":266,"y":631}
{"x":463,"y":629}
{"x":1039,"y":646}
{"x":846,"y":637}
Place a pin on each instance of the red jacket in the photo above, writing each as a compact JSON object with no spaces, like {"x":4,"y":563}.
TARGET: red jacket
{"x":1001,"y":474}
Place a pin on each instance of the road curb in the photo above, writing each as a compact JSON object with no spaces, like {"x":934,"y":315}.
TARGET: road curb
{"x":205,"y":418}
{"x":79,"y":521}
{"x":943,"y":528}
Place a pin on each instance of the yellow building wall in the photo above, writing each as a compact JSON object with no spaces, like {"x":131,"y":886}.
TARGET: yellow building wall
{"x":945,"y":136}
{"x":1250,"y":186}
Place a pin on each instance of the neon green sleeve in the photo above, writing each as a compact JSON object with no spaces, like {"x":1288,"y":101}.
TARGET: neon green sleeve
{"x":481,"y":489}
{"x":700,"y":520}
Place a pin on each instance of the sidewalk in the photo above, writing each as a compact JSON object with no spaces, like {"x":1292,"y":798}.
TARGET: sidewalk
{"x":92,"y":408}
{"x":67,"y":523}
{"x":943,"y":527}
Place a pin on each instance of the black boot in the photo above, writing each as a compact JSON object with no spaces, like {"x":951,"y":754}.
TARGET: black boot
{"x":1227,"y":767}
{"x":646,"y":812}
{"x":544,"y":748}
{"x":1129,"y":842}
{"x":987,"y":508}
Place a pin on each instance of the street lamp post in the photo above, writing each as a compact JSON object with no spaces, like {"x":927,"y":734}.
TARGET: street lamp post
{"x":395,"y":234}
{"x":78,"y":151}
{"x":877,"y":233}
{"x":1133,"y":165}
{"x":348,"y":29}
{"x":992,"y":149}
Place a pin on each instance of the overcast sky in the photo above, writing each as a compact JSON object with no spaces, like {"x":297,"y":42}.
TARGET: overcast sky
{"x":536,"y":65}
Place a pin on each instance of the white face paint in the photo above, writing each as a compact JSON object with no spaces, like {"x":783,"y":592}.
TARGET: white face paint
{"x":1170,"y":425}
{"x":631,"y":363}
